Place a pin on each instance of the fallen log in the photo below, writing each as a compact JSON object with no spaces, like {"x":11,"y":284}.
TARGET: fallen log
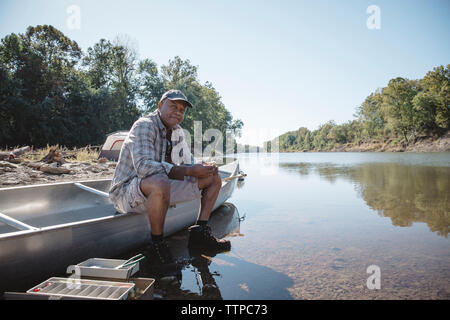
{"x":5,"y":155}
{"x":35,"y":165}
{"x":20,"y":151}
{"x":15,"y":160}
{"x":53,"y":170}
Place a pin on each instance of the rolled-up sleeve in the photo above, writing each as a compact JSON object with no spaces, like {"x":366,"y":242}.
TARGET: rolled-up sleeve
{"x":142,"y":146}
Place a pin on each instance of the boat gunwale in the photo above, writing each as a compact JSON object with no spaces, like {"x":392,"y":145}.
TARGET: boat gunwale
{"x":52,"y":184}
{"x":10,"y":235}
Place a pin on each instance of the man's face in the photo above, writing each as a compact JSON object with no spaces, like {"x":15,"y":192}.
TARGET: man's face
{"x":172,"y":112}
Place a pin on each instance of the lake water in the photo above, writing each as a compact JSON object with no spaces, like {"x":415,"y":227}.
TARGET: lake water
{"x":309,"y":225}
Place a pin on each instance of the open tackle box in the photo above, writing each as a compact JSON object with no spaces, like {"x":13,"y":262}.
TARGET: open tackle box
{"x":82,"y":288}
{"x":93,"y":279}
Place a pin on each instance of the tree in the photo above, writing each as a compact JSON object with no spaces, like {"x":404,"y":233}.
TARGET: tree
{"x":321,"y":139}
{"x":370,"y":113}
{"x":208,"y":106}
{"x":398,"y":106}
{"x":425,"y":106}
{"x":113,"y":67}
{"x":338,"y":134}
{"x":404,"y":107}
{"x":98,"y":64}
{"x":40,"y":63}
{"x":150,"y":84}
{"x":14,"y":111}
{"x":437,"y":84}
{"x":53,"y":93}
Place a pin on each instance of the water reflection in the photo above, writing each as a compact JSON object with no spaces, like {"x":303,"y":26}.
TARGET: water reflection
{"x":404,"y":193}
{"x":206,"y":275}
{"x":240,"y":184}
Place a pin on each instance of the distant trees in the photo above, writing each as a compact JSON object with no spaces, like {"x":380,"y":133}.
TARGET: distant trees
{"x":38,"y":67}
{"x":404,"y":110}
{"x":371,"y":116}
{"x":433,"y":103}
{"x":53,"y":93}
{"x":398,"y":108}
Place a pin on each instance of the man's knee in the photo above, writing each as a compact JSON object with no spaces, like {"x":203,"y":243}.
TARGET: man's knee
{"x":156,"y":186}
{"x":215,"y":182}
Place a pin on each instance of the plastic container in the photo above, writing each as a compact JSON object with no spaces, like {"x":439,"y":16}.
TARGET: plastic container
{"x":143,"y":290}
{"x":83,"y":289}
{"x":103,"y":268}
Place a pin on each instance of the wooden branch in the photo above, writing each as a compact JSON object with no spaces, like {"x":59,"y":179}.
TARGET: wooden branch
{"x":5,"y":155}
{"x":53,"y":156}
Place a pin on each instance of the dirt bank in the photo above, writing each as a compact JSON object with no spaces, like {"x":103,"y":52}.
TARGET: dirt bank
{"x":28,"y":172}
{"x":421,"y":144}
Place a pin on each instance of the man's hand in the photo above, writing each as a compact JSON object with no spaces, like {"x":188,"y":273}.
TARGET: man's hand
{"x":201,"y":171}
{"x":212,"y":163}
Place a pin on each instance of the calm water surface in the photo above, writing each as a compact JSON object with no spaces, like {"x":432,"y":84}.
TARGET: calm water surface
{"x":308,"y":225}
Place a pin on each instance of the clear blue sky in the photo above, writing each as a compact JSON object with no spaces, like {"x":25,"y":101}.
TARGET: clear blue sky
{"x":278,"y":65}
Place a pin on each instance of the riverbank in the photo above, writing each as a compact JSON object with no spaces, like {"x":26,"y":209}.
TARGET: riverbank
{"x":421,"y":144}
{"x":84,"y":165}
{"x":30,"y":173}
{"x":33,"y":168}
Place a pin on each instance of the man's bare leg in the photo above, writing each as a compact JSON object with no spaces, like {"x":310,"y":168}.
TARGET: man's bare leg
{"x":157,"y":190}
{"x":211,"y":187}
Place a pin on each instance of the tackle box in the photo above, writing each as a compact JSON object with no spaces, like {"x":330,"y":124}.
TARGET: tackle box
{"x":95,"y":278}
{"x":142,"y":290}
{"x":83,"y":289}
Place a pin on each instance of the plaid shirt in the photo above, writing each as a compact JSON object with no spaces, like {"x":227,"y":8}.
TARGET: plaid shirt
{"x":144,"y":151}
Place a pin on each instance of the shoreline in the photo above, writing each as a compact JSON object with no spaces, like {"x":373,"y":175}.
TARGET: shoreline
{"x":421,"y":144}
{"x":26,"y":172}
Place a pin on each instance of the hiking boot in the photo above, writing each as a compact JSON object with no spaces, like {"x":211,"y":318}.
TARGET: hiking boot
{"x":163,"y":252}
{"x":201,"y":237}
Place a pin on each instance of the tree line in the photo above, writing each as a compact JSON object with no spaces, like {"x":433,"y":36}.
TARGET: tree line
{"x":51,"y":92}
{"x":403,"y":111}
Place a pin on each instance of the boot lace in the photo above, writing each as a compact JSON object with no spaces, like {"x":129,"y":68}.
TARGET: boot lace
{"x":208,"y":235}
{"x":163,"y":252}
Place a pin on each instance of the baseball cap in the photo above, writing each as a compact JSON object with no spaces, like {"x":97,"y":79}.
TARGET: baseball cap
{"x":175,"y":95}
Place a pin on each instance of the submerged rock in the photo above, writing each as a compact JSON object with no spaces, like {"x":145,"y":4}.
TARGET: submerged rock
{"x":167,"y":280}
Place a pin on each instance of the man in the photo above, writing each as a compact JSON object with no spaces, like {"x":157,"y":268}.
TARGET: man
{"x":149,"y":176}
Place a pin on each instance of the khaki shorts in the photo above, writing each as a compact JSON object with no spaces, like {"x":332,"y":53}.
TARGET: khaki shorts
{"x":131,"y":198}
